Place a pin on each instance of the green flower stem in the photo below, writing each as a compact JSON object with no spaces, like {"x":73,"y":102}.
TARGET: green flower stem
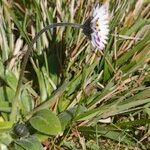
{"x":15,"y":101}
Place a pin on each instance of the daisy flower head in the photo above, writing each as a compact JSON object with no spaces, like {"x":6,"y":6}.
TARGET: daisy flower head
{"x":96,"y":27}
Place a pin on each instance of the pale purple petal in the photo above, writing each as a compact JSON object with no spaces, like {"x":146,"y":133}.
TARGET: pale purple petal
{"x":100,"y":27}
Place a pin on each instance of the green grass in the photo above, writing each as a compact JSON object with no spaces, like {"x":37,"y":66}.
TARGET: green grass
{"x":72,"y":96}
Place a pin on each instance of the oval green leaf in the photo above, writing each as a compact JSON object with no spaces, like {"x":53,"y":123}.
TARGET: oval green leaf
{"x":46,"y":122}
{"x":30,"y":143}
{"x":5,"y":126}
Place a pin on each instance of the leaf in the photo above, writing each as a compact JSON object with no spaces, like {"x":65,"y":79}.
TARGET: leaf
{"x":30,"y":143}
{"x":1,"y":69}
{"x":5,"y":126}
{"x":5,"y":138}
{"x":26,"y":102}
{"x":107,"y":74}
{"x":46,"y":122}
{"x":67,"y":115}
{"x":41,"y":137}
{"x":134,"y":123}
{"x":138,"y":24}
{"x":69,"y":145}
{"x":17,"y":22}
{"x":6,"y":95}
{"x":65,"y":118}
{"x":11,"y":79}
{"x":140,"y":45}
{"x":119,"y":136}
{"x":41,"y":82}
{"x":92,"y":145}
{"x":91,"y":113}
{"x":17,"y":147}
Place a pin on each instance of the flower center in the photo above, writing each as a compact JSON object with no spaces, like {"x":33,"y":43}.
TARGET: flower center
{"x":87,"y":30}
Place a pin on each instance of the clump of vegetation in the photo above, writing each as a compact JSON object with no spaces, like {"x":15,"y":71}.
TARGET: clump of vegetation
{"x":73,"y":96}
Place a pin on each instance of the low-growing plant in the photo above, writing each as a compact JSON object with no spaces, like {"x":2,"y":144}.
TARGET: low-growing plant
{"x":68,"y":94}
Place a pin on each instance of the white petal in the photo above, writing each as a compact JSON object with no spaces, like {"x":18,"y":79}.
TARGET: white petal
{"x":100,"y":27}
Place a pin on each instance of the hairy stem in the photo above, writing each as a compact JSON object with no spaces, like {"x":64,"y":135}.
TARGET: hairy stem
{"x":24,"y":63}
